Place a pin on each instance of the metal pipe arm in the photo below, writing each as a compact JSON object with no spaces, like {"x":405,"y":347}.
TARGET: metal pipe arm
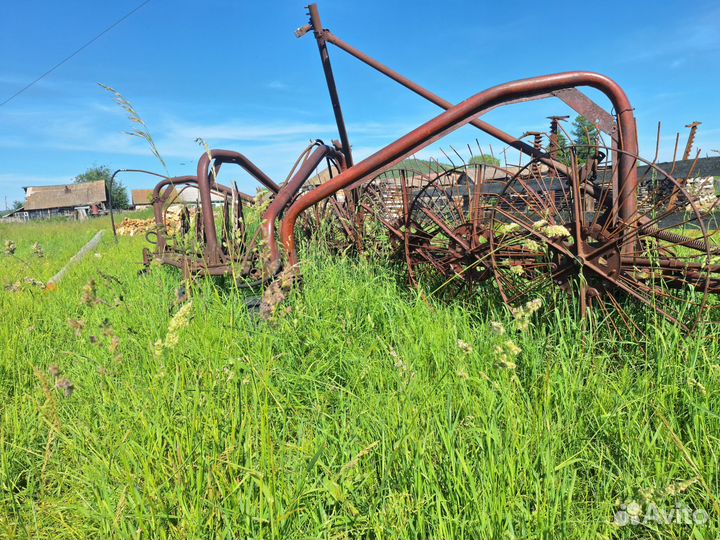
{"x":463,"y":113}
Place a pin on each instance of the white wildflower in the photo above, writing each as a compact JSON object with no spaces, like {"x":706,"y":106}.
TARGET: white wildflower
{"x":497,"y":328}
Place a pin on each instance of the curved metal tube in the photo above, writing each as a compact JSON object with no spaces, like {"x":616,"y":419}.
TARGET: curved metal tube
{"x":285,"y":195}
{"x":204,"y":186}
{"x":461,"y":114}
{"x":159,"y":200}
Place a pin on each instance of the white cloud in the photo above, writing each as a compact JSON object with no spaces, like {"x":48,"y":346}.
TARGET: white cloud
{"x":277,"y":85}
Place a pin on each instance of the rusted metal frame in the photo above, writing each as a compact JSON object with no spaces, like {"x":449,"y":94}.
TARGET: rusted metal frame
{"x":427,"y":94}
{"x":159,"y":200}
{"x":572,"y":97}
{"x":464,"y":113}
{"x":444,"y":228}
{"x":285,"y":196}
{"x":228,"y":156}
{"x":228,"y":191}
{"x":665,"y":263}
{"x":389,"y":226}
{"x":316,"y":26}
{"x":585,"y":106}
{"x":580,"y":103}
{"x":212,"y":251}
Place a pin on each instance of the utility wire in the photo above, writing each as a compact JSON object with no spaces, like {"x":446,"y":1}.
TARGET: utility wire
{"x":93,"y":40}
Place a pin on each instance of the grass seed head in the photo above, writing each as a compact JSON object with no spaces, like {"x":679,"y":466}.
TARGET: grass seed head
{"x":681,"y":487}
{"x":497,"y":328}
{"x":556,"y":231}
{"x":77,"y":325}
{"x":38,"y":250}
{"x":66,"y":386}
{"x":523,"y":314}
{"x":89,"y":293}
{"x":506,"y":352}
{"x":10,"y":247}
{"x":700,"y":387}
{"x":54,"y":370}
{"x":13,"y":287}
{"x":505,"y":363}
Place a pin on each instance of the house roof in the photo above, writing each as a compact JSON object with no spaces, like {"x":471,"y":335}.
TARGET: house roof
{"x":64,"y":196}
{"x":191,"y":194}
{"x":142,"y":196}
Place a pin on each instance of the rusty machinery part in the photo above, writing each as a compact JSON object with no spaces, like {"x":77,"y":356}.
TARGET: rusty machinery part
{"x":306,"y":167}
{"x":570,"y":95}
{"x":619,"y":200}
{"x":383,"y":206}
{"x":464,"y":113}
{"x":180,"y":234}
{"x":384,"y":209}
{"x":332,"y":223}
{"x":341,"y":205}
{"x":420,"y":205}
{"x":449,"y":217}
{"x":227,"y":239}
{"x":553,"y":231}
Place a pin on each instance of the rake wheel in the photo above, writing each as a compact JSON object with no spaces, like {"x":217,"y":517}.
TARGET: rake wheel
{"x":552,"y":231}
{"x":449,"y":218}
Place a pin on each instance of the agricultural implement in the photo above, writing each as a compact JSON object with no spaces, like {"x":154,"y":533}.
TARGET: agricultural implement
{"x":596,"y":221}
{"x":199,"y":242}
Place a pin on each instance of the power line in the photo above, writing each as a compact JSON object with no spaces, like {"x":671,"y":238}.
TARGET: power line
{"x":49,"y":71}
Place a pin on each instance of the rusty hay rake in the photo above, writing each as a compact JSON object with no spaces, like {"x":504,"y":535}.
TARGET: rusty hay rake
{"x":596,"y":220}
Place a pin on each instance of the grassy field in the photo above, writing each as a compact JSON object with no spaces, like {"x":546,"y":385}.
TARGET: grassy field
{"x":361,"y":410}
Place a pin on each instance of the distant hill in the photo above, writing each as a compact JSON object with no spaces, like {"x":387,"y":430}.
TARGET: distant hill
{"x":422,"y":166}
{"x":425,"y":166}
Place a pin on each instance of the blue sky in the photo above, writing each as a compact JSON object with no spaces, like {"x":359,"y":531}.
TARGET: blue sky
{"x":233,"y":74}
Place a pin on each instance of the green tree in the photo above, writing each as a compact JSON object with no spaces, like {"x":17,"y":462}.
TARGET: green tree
{"x":585,"y":136}
{"x":16,"y":205}
{"x":563,"y":153}
{"x":485,"y":159}
{"x":101,"y":172}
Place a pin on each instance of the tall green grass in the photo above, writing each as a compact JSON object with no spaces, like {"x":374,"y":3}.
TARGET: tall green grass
{"x":363,"y":410}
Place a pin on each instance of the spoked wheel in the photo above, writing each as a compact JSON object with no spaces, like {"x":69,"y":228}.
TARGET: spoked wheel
{"x":449,"y":216}
{"x":552,"y":230}
{"x":382,"y":211}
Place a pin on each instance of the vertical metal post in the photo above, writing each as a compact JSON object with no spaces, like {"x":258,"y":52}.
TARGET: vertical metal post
{"x":329,"y":77}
